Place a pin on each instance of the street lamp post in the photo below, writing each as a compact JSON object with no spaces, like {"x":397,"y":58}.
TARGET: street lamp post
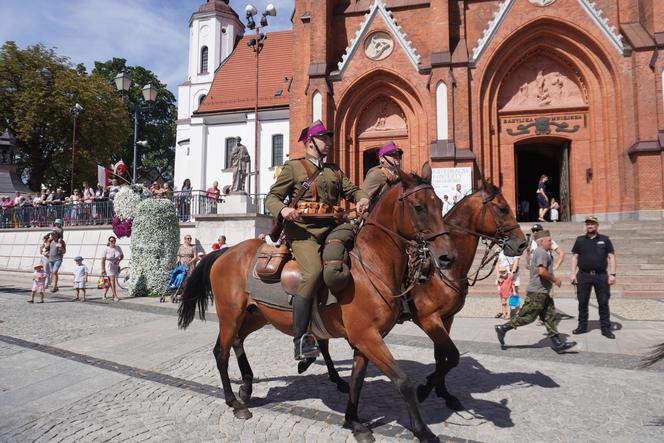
{"x":123,"y":83}
{"x":75,"y":112}
{"x":257,"y":46}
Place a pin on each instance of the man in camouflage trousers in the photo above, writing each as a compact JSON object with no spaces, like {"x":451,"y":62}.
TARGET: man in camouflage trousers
{"x":538,"y":299}
{"x":307,"y":225}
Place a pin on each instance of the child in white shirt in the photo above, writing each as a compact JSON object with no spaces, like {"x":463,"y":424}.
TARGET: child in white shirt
{"x":80,"y":277}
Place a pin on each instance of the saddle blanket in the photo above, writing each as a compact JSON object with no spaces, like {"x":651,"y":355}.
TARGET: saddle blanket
{"x":271,"y":294}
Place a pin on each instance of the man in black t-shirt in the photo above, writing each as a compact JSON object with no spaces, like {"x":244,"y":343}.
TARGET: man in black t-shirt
{"x":593,"y":254}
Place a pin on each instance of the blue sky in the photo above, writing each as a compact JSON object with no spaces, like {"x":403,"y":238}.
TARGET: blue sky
{"x":150,"y":33}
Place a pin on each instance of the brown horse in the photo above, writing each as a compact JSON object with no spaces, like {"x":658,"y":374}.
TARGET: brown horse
{"x":407,"y":218}
{"x":484,"y":214}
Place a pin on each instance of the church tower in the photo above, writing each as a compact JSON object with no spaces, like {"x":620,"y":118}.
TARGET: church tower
{"x":213,"y":30}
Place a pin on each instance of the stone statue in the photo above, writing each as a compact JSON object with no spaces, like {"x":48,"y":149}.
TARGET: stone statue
{"x":240,"y":163}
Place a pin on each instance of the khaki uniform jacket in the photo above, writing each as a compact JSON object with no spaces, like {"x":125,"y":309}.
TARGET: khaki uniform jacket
{"x":331,"y":186}
{"x":376,"y":182}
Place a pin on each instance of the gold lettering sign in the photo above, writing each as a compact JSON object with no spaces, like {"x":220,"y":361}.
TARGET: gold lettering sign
{"x":543,"y":125}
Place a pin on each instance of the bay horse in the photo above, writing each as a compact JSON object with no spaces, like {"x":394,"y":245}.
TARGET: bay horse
{"x":486,"y":215}
{"x":406,"y":221}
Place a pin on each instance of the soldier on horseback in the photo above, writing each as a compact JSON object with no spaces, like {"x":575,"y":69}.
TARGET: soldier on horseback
{"x":311,"y":220}
{"x":380,"y":177}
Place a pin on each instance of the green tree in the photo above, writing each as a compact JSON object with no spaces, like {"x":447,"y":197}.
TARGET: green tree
{"x":156,"y":122}
{"x":38,"y":89}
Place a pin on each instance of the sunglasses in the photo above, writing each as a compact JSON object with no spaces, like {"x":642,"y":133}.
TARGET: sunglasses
{"x":112,"y":241}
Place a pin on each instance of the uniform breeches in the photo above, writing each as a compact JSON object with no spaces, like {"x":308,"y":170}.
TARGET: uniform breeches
{"x":307,"y":252}
{"x":536,"y":304}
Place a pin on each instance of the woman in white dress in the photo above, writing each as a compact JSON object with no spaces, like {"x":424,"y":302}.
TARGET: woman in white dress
{"x":110,"y":265}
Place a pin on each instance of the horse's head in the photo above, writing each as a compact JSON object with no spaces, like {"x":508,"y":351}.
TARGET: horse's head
{"x":486,"y":212}
{"x":417,"y":213}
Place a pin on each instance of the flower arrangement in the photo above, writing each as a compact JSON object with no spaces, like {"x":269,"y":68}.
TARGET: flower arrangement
{"x":154,"y":246}
{"x":125,"y":205}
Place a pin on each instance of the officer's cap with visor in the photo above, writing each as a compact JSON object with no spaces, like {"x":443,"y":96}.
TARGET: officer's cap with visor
{"x":390,"y":149}
{"x":591,"y":219}
{"x":316,"y":129}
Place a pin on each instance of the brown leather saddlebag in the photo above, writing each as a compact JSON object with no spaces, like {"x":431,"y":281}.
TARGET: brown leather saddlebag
{"x":271,"y":260}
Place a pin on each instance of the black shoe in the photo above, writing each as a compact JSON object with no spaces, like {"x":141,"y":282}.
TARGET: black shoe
{"x":608,"y":334}
{"x":306,"y":347}
{"x":501,"y":330}
{"x":580,"y":330}
{"x":561,"y":346}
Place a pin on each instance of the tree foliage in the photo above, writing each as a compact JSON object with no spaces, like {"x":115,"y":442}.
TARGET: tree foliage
{"x":38,"y":89}
{"x":156,"y":122}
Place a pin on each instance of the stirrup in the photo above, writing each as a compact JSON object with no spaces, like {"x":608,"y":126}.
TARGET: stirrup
{"x":306,"y":347}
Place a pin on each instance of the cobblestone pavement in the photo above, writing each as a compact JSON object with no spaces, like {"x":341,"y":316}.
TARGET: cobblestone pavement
{"x":123,"y":372}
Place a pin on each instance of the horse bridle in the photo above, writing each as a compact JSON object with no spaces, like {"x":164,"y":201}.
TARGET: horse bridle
{"x":500,"y":239}
{"x":417,"y":250}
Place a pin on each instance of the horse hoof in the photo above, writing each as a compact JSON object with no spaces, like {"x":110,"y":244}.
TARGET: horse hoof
{"x":242,"y":413}
{"x":244,"y":394}
{"x":304,"y":365}
{"x":364,"y":437}
{"x":454,"y":404}
{"x":342,"y":386}
{"x":422,"y":393}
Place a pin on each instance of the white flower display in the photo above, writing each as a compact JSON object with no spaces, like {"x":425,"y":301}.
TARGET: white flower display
{"x":127,"y":199}
{"x":154,"y":244}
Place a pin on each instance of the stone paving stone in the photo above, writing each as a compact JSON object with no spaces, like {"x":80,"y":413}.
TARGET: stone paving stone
{"x":536,"y":395}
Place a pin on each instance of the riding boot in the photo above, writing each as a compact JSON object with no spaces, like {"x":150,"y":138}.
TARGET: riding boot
{"x":501,"y":330}
{"x":305,"y":343}
{"x":559,"y":345}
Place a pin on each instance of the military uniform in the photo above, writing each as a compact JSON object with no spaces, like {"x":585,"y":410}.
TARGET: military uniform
{"x":377,"y":181}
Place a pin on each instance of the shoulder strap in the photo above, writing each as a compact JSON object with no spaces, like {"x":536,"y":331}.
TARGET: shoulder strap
{"x":307,"y":184}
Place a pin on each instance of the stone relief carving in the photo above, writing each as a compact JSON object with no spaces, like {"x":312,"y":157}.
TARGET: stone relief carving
{"x":382,"y":115}
{"x":540,"y":82}
{"x":378,"y":46}
{"x":541,"y":2}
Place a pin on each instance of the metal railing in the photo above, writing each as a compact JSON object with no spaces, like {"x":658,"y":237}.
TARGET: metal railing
{"x":188,"y":204}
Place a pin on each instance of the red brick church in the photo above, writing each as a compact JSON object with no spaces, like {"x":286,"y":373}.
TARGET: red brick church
{"x":510,"y":88}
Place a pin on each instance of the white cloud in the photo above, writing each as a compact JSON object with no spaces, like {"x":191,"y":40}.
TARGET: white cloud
{"x":149,"y":33}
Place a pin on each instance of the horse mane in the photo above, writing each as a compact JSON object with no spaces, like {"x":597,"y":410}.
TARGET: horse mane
{"x":416,"y":179}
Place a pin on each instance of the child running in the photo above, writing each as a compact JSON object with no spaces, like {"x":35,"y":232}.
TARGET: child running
{"x":80,"y":277}
{"x":39,"y":282}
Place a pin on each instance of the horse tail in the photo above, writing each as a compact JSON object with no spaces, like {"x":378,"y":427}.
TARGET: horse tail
{"x":196,"y":290}
{"x":656,"y":355}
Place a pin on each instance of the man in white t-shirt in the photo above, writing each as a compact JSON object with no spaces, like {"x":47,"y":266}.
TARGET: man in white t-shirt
{"x":457,"y":195}
{"x":447,"y":205}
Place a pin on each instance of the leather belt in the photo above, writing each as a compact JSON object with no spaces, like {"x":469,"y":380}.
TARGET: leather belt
{"x":319,"y":209}
{"x":592,"y":272}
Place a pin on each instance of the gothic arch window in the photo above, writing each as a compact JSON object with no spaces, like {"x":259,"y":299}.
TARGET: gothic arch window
{"x":204,"y":60}
{"x":442,"y":132}
{"x":317,"y":106}
{"x":277,"y":150}
{"x":230,"y":144}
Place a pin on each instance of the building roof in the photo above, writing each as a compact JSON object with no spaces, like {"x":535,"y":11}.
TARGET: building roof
{"x":216,"y":6}
{"x":234,"y":84}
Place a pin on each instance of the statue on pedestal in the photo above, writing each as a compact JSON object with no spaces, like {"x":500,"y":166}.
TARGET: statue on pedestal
{"x":240,"y":164}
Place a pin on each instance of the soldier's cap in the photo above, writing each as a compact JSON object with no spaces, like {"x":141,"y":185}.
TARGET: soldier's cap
{"x":389,"y":149}
{"x":536,"y":227}
{"x":592,"y":219}
{"x":542,"y":234}
{"x":316,"y":129}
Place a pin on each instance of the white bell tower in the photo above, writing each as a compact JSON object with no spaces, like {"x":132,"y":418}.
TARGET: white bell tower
{"x":213,"y":30}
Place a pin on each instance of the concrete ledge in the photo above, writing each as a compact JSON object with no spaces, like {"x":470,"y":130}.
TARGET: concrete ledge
{"x":642,"y":215}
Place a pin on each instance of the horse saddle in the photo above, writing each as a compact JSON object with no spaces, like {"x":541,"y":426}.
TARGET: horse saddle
{"x":275,"y":277}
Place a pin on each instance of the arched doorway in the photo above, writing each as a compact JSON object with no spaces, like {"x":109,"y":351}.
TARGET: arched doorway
{"x":533,"y":158}
{"x":547,"y":83}
{"x":378,"y":108}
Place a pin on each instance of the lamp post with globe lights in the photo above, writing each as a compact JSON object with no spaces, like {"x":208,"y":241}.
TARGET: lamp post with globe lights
{"x":256,"y":44}
{"x":123,"y":84}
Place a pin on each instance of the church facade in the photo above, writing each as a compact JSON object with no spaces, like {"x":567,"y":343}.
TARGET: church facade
{"x":506,"y":90}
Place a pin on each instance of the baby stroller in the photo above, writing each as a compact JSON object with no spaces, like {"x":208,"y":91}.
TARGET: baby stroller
{"x":175,"y":284}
